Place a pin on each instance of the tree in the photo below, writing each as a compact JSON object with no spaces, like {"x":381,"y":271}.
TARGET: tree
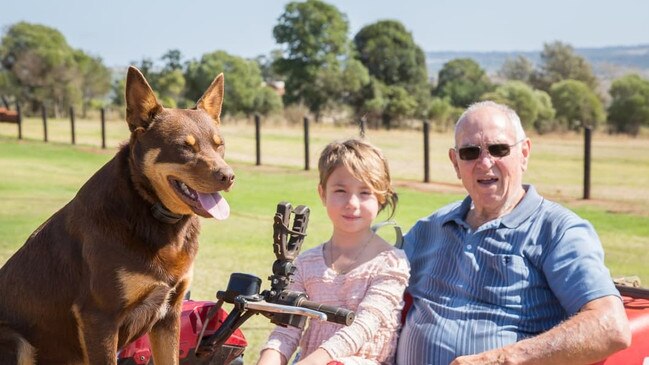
{"x":313,"y":36}
{"x":519,"y":68}
{"x":443,"y":113}
{"x":462,"y":81}
{"x":559,"y":62}
{"x":40,"y":65}
{"x":93,"y":79}
{"x":243,"y":84}
{"x":629,"y":109}
{"x":532,"y":106}
{"x":391,"y":56}
{"x":170,"y":84}
{"x":172,"y":60}
{"x":576,"y":105}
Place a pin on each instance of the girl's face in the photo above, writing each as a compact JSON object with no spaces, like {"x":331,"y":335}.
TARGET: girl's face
{"x":350,"y":203}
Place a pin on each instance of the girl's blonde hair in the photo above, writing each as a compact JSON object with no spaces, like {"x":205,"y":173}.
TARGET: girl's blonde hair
{"x":366,"y":163}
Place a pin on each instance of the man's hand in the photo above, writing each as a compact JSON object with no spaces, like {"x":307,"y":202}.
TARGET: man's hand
{"x":494,"y":357}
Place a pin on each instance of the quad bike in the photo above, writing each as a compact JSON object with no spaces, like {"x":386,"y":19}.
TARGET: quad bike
{"x":211,"y":336}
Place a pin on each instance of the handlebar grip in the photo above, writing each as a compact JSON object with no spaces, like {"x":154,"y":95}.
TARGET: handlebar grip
{"x":334,"y":314}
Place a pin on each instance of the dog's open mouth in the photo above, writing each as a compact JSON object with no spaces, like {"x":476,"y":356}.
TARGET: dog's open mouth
{"x":204,"y":204}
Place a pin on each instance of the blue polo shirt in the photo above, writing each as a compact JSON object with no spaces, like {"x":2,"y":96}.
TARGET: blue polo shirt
{"x":512,"y":278}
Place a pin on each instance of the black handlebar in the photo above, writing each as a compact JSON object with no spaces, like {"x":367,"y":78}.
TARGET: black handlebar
{"x":334,"y":314}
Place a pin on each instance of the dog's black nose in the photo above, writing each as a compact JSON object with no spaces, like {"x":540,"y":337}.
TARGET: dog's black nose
{"x":225,"y":175}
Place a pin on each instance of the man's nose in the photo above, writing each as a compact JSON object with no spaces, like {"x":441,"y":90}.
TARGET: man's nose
{"x":485,"y":157}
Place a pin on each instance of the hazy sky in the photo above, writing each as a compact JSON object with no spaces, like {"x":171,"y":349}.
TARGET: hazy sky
{"x":121,"y":31}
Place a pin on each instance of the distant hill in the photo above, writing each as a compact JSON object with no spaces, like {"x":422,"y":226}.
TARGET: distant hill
{"x":607,"y":62}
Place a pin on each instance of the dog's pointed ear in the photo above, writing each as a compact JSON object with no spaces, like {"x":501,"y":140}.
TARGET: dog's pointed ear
{"x":212,"y":99}
{"x":141,"y":103}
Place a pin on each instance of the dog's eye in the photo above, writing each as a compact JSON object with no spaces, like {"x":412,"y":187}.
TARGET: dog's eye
{"x":218,"y":141}
{"x":190,"y":143}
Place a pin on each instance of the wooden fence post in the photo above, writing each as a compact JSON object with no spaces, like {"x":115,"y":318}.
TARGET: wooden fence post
{"x":20,"y":121}
{"x":257,"y":140}
{"x":587,"y":150}
{"x":103,"y":128}
{"x":74,"y":139}
{"x":44,"y":115}
{"x":306,"y":143}
{"x":426,"y":131}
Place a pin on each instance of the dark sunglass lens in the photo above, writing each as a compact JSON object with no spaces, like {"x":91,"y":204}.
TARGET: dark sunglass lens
{"x":499,"y":150}
{"x":469,"y":153}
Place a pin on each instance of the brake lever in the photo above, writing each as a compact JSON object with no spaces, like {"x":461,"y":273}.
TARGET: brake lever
{"x":287,"y":242}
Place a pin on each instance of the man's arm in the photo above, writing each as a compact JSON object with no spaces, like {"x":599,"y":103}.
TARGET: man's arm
{"x":598,"y":330}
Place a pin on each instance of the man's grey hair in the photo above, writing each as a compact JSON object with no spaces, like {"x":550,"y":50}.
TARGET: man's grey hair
{"x":509,"y":112}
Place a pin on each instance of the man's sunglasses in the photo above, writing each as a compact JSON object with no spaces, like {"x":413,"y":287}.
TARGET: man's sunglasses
{"x":470,"y":153}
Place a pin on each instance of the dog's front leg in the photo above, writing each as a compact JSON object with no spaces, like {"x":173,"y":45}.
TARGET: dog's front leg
{"x":98,"y":334}
{"x":165,"y":340}
{"x":165,"y":334}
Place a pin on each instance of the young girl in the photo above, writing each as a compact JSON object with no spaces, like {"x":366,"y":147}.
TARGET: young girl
{"x":354,"y":269}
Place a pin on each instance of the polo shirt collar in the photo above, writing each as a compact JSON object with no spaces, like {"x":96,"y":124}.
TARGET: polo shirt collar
{"x":525,"y":208}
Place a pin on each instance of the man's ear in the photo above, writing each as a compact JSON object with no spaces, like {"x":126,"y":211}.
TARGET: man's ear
{"x":453,"y":157}
{"x":526,"y":150}
{"x":141,"y":103}
{"x":212,"y":100}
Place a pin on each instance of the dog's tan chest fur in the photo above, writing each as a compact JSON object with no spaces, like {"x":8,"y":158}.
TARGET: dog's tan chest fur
{"x":147,"y":300}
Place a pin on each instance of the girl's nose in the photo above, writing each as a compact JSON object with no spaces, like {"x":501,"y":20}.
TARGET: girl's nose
{"x":353,"y":200}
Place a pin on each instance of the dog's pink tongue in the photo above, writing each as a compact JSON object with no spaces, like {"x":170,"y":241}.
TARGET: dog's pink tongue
{"x":215,"y":204}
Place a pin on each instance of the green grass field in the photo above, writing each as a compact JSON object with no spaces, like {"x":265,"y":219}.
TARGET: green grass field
{"x":37,"y":179}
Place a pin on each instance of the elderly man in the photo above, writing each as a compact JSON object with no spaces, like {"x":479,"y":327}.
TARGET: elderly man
{"x":505,"y":276}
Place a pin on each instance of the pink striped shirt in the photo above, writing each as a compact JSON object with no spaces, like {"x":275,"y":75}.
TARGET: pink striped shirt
{"x":374,"y":290}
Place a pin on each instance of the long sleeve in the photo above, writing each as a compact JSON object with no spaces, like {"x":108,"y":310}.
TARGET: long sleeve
{"x":378,"y":315}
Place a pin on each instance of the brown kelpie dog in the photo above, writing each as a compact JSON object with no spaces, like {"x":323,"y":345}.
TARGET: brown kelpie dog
{"x":116,"y":261}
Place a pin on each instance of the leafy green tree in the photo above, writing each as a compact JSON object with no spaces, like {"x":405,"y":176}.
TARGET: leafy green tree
{"x":267,"y":65}
{"x":532,"y":106}
{"x":168,"y":80}
{"x":629,"y":109}
{"x":462,"y":81}
{"x":242,"y":86}
{"x":391,"y":56}
{"x":170,"y":85}
{"x":173,"y":60}
{"x":40,"y":65}
{"x":560,"y":62}
{"x":545,"y":122}
{"x":93,"y":79}
{"x":519,"y":68}
{"x":443,"y":113}
{"x":313,"y":35}
{"x":117,"y":90}
{"x":576,"y":105}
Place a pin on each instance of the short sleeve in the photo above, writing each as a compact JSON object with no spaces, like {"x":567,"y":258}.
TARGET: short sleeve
{"x":574,"y":267}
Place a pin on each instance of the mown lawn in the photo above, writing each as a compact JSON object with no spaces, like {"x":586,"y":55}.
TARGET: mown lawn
{"x":37,"y":179}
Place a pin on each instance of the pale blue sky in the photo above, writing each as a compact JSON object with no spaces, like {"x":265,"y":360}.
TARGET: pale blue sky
{"x":122,"y":31}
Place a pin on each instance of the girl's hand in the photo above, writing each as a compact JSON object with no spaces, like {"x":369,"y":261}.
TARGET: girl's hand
{"x":317,"y":357}
{"x":271,"y":357}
